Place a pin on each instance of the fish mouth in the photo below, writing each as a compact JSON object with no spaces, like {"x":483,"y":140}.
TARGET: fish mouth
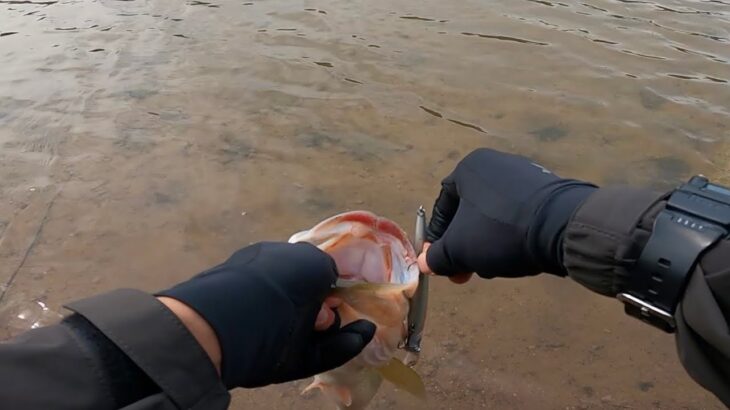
{"x":365,"y":248}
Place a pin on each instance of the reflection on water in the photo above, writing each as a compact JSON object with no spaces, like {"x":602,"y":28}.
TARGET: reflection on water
{"x":143,"y":140}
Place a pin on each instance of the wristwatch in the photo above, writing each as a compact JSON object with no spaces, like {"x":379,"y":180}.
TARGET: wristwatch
{"x":696,"y":216}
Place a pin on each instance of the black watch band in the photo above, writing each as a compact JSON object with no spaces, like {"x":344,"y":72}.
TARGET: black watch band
{"x":696,"y":216}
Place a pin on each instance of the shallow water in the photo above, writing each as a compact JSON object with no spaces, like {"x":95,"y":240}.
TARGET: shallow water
{"x":142,"y":141}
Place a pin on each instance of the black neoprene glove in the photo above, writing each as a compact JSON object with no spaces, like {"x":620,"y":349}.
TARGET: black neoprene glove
{"x":262,"y":304}
{"x":501,"y":215}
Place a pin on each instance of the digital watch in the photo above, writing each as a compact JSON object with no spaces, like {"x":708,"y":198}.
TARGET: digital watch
{"x":696,"y":215}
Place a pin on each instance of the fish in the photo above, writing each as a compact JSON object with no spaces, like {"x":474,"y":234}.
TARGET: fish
{"x":378,"y":277}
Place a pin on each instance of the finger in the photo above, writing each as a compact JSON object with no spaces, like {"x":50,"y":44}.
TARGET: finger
{"x":461,"y":278}
{"x":422,"y":263}
{"x":332,"y":301}
{"x":424,"y":268}
{"x":341,"y":347}
{"x":301,"y":271}
{"x":439,"y":260}
{"x":444,"y":210}
{"x":319,"y":264}
{"x":325,"y":318}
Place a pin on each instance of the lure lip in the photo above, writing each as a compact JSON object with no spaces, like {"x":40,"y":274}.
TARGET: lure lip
{"x":418,"y":304}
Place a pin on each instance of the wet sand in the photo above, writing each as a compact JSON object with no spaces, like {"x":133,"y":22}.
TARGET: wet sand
{"x":143,"y":141}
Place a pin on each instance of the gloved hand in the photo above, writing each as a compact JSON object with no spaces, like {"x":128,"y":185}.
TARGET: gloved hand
{"x":262,"y":304}
{"x":500,"y":215}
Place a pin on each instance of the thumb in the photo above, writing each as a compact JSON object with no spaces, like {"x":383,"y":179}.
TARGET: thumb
{"x":424,"y":264}
{"x":437,"y":259}
{"x":338,"y":348}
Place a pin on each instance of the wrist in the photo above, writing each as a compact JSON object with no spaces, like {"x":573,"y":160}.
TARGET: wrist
{"x":198,"y":326}
{"x":606,"y":235}
{"x":545,"y":238}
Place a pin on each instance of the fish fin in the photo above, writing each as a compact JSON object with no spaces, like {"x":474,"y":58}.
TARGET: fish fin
{"x":403,"y":377}
{"x":339,"y":394}
{"x":316,"y":384}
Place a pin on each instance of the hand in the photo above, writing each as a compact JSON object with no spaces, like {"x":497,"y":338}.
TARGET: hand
{"x":500,"y":215}
{"x":264,"y":305}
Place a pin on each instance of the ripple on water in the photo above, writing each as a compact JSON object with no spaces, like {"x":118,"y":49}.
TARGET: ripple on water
{"x":505,"y":38}
{"x":186,"y":111}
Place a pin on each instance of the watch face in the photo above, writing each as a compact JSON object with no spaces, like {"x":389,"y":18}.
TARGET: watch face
{"x":718,"y":188}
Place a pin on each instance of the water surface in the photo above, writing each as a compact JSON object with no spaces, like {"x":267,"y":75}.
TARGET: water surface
{"x":142,"y":141}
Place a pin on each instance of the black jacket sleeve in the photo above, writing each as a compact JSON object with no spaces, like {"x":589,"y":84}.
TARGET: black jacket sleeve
{"x":123,"y":349}
{"x":603,"y":240}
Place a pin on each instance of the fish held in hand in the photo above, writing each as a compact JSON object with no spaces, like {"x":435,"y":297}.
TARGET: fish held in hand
{"x":378,"y":277}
